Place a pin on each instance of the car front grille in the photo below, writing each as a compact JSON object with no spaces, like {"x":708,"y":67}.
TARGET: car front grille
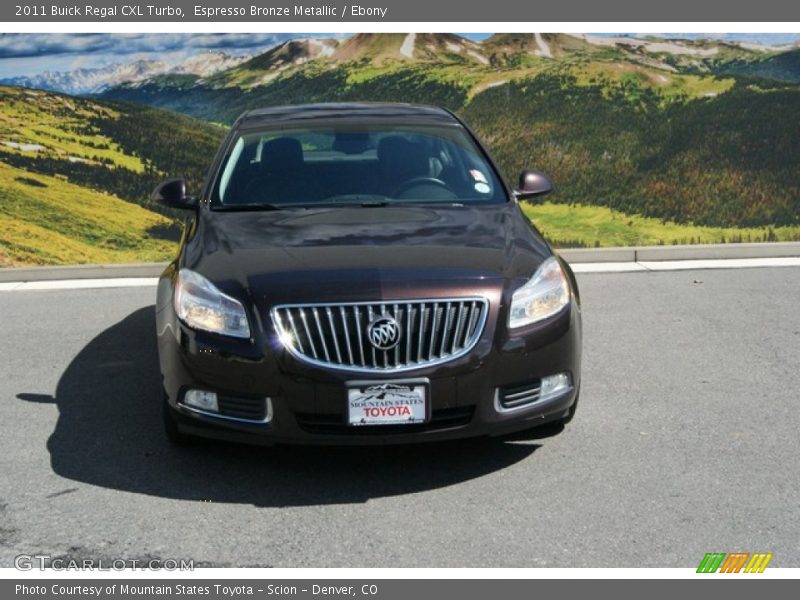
{"x":342,"y":336}
{"x":519,"y":395}
{"x":334,"y":424}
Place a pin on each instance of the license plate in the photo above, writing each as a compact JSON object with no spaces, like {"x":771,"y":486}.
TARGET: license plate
{"x":387,"y":403}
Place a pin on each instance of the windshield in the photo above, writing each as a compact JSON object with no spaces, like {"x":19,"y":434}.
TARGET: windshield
{"x":355,"y":165}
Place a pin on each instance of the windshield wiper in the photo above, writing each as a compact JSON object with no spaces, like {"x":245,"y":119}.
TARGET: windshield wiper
{"x":348,"y":204}
{"x":247,"y":207}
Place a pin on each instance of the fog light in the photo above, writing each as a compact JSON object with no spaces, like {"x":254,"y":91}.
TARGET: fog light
{"x":553,"y":385}
{"x":202,"y":400}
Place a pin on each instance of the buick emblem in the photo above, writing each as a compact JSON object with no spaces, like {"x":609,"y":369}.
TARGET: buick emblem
{"x":383,"y":333}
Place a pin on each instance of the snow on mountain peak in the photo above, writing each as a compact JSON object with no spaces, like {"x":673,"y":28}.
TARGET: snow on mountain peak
{"x":97,"y":79}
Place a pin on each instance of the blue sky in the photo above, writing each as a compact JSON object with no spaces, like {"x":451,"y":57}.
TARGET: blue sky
{"x":33,"y":53}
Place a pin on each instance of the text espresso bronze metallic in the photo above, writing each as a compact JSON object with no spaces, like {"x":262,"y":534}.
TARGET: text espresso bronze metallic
{"x":384,"y":333}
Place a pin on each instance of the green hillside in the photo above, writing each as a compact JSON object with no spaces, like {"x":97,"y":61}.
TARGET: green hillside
{"x":75,"y":175}
{"x":780,"y":67}
{"x":46,"y":220}
{"x":649,"y":141}
{"x":726,"y":161}
{"x":121,"y":149}
{"x":580,"y":226}
{"x":674,"y":130}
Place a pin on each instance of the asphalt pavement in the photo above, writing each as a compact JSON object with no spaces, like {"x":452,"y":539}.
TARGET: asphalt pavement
{"x":686,"y":442}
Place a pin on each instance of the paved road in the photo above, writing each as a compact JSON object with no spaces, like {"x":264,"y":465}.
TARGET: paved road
{"x":686,"y":442}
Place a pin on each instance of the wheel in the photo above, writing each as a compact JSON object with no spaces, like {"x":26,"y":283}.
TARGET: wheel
{"x":171,"y":426}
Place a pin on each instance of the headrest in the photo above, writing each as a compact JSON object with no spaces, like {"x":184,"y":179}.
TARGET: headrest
{"x":281,"y":154}
{"x":355,"y":142}
{"x":400,"y":158}
{"x":392,"y":148}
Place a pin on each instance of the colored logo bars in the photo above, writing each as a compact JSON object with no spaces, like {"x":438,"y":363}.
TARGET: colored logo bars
{"x":736,"y":562}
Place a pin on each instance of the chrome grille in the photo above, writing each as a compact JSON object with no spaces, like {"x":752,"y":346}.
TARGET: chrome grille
{"x":338,"y":335}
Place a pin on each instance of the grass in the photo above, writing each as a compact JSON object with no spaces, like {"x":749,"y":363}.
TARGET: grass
{"x":475,"y":78}
{"x":60,"y":126}
{"x":670,"y":86}
{"x":46,"y":220}
{"x":596,"y":226}
{"x":465,"y":75}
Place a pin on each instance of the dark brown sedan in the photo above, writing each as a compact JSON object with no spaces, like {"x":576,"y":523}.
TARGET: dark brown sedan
{"x":359,"y":273}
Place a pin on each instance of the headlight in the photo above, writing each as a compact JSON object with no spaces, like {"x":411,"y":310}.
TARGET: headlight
{"x":544,"y":295}
{"x":200,"y":305}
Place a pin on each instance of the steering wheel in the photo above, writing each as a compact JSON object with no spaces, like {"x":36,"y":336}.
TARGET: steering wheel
{"x":417,"y":181}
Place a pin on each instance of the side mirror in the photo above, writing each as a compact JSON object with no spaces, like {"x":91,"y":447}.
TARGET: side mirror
{"x":172,"y":193}
{"x":533,"y":184}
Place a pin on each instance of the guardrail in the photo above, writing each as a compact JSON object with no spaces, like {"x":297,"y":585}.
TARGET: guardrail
{"x":631,"y":254}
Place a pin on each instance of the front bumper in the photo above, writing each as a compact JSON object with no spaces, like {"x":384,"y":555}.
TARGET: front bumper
{"x":309,"y":402}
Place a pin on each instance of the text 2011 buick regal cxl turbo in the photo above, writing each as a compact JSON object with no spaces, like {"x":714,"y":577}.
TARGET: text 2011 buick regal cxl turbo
{"x":359,"y":273}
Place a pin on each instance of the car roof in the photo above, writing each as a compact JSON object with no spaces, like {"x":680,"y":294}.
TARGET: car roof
{"x":346,"y":113}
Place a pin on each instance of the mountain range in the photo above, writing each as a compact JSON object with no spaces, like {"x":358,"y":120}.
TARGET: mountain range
{"x":450,"y":69}
{"x":94,"y":80}
{"x":508,"y":50}
{"x":218,"y":69}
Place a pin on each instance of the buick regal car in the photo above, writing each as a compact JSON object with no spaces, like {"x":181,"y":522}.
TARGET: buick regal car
{"x":360,"y":273}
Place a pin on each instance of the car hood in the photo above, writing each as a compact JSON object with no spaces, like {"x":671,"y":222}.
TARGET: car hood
{"x":367,"y":252}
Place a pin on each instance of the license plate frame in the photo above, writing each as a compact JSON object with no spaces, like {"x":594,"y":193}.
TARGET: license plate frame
{"x":413,"y":394}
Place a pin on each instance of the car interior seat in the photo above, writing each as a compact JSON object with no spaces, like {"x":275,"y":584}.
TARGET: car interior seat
{"x":401,"y":160}
{"x":281,"y":177}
